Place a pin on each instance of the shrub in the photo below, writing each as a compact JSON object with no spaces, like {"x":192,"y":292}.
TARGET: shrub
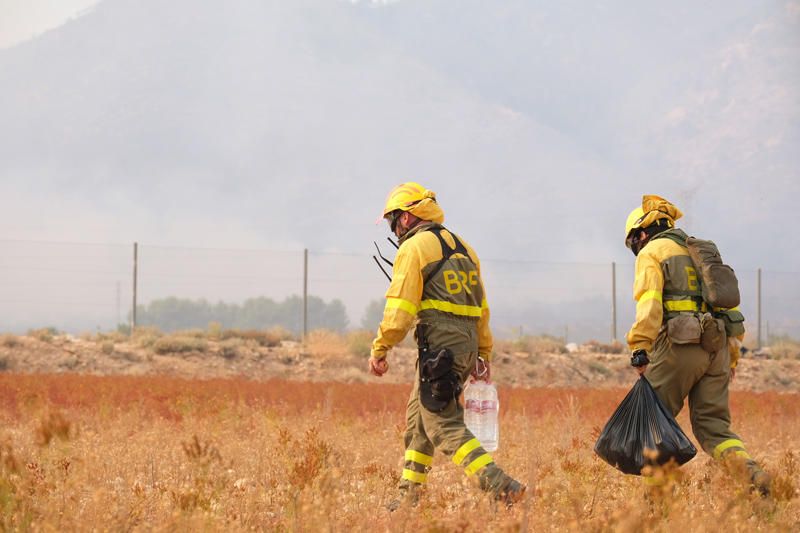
{"x":179,"y":344}
{"x":784,"y":347}
{"x":267,"y":338}
{"x":599,"y":368}
{"x":146,"y":336}
{"x":324,"y":343}
{"x":196,"y":333}
{"x":533,"y":344}
{"x":599,"y":347}
{"x":43,"y":334}
{"x":107,"y":347}
{"x":359,"y":342}
{"x":8,"y":340}
{"x":214,"y":330}
{"x":230,"y":348}
{"x":4,"y":363}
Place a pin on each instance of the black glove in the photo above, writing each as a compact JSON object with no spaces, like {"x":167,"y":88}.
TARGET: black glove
{"x":639,"y":358}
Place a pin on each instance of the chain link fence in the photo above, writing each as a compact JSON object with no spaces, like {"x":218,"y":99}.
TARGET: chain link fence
{"x":79,"y":287}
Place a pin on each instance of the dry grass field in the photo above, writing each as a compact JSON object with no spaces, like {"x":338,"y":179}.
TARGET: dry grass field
{"x":158,"y":453}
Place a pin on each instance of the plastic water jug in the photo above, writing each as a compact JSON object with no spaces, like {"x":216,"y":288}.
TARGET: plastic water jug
{"x":480,"y":413}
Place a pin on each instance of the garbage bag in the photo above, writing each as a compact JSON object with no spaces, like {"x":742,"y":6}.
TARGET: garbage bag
{"x":642,"y":422}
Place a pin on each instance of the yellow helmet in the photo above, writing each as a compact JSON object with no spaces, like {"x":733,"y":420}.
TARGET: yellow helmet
{"x":654,"y":210}
{"x":403,"y":197}
{"x":415,"y":199}
{"x":634,"y":222}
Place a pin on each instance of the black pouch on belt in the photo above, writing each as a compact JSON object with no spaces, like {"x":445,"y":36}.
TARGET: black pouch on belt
{"x":438,"y":383}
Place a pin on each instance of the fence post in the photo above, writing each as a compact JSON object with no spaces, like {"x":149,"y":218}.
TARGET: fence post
{"x":135,"y":283}
{"x":758,"y":303}
{"x":305,"y":293}
{"x":613,"y":301}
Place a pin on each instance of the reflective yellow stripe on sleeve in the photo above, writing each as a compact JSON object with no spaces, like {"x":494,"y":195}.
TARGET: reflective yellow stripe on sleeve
{"x":449,"y":307}
{"x":399,"y":303}
{"x":478,"y":463}
{"x":649,"y":295}
{"x":419,"y":457}
{"x":681,"y":305}
{"x":465,"y":450}
{"x":416,"y":477}
{"x":726,"y":445}
{"x":484,"y":304}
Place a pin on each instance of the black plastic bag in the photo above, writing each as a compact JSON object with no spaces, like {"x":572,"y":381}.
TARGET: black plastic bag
{"x":642,"y":422}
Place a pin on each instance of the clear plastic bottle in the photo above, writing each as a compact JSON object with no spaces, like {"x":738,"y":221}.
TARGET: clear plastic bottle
{"x":481,"y":407}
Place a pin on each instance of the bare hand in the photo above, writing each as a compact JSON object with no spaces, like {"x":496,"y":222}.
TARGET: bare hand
{"x":482,"y":370}
{"x":733,"y":373}
{"x":378,"y":367}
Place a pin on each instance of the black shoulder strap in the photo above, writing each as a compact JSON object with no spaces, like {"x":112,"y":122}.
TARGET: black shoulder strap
{"x":447,"y":252}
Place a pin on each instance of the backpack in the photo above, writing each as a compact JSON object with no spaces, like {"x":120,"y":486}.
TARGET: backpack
{"x":720,"y":286}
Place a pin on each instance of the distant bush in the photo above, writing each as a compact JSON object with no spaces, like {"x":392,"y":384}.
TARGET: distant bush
{"x":197,"y":333}
{"x":8,"y":340}
{"x":4,"y":363}
{"x":532,"y":344}
{"x":146,"y":336}
{"x":43,"y":334}
{"x":179,"y":344}
{"x":599,"y":347}
{"x":214,"y":330}
{"x":107,"y":347}
{"x":359,"y":342}
{"x":784,"y":347}
{"x":231,"y":348}
{"x":172,"y":314}
{"x":267,"y":338}
{"x":324,"y":343}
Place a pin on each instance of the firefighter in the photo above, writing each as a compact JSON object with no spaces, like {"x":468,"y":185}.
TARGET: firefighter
{"x":667,"y":288}
{"x":436,"y":287}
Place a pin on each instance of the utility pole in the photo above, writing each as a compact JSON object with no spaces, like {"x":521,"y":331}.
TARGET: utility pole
{"x":305,"y":293}
{"x":613,"y":301}
{"x":119,"y":319}
{"x":135,"y":280}
{"x":758,"y":300}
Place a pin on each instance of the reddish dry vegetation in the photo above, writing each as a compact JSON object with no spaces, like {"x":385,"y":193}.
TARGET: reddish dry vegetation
{"x":158,"y":453}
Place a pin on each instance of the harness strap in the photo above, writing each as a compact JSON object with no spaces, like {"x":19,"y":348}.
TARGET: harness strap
{"x":447,"y":252}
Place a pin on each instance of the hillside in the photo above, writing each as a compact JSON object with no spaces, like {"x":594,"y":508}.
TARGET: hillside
{"x":330,"y":357}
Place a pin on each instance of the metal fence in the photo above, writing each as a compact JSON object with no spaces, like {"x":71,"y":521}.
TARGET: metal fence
{"x":79,"y":287}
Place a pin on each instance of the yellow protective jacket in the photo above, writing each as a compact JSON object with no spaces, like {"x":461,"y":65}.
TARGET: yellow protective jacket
{"x":666,"y":283}
{"x":454,"y":291}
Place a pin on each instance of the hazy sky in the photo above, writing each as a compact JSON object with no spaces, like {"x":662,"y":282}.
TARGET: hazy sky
{"x":22,"y":19}
{"x":282,"y":125}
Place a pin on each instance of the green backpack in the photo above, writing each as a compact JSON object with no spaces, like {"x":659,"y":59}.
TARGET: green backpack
{"x":720,"y":286}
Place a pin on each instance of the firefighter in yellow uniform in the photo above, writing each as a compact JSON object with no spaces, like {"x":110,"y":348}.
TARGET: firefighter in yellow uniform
{"x":436,"y":286}
{"x":667,"y":287}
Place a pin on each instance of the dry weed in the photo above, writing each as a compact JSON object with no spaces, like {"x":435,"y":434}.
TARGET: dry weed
{"x":43,"y":334}
{"x":179,"y":344}
{"x":7,"y":340}
{"x":359,"y":342}
{"x":267,"y":338}
{"x":326,"y":344}
{"x":55,"y":425}
{"x":167,"y":454}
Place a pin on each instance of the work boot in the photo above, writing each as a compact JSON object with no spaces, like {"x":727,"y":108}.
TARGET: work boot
{"x":760,"y":482}
{"x":513,"y":493}
{"x":407,"y":495}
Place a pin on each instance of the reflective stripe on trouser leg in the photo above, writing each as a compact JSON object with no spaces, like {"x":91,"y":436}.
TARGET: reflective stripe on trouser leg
{"x":734,"y":446}
{"x":417,"y":465}
{"x":472,"y":457}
